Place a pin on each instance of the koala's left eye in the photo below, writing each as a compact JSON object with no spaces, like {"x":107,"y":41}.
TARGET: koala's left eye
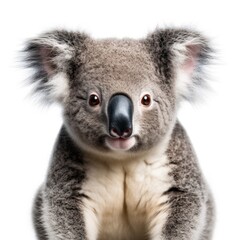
{"x":146,"y":100}
{"x":93,"y":100}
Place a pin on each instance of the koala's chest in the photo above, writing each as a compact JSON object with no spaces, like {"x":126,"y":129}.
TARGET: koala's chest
{"x":123,"y":199}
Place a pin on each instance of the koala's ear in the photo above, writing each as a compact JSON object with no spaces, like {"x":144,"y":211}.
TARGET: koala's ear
{"x":181,"y":56}
{"x":53,"y":56}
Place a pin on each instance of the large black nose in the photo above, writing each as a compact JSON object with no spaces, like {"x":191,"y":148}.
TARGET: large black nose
{"x":120,"y":111}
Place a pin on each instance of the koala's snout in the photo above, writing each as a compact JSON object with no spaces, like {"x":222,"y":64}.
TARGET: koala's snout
{"x":120,"y":112}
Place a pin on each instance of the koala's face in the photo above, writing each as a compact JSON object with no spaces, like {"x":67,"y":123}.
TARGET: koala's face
{"x":118,"y":95}
{"x":117,"y":102}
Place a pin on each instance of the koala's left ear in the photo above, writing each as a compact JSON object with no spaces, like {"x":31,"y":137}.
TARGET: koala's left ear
{"x":181,"y":56}
{"x":53,"y":57}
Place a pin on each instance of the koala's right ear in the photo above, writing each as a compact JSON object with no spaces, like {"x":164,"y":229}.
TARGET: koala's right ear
{"x":53,"y":56}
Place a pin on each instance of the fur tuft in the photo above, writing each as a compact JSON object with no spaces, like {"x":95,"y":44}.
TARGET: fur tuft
{"x":51,"y":57}
{"x":181,"y":57}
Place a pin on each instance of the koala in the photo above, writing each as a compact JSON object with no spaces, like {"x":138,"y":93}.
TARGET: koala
{"x":123,"y":167}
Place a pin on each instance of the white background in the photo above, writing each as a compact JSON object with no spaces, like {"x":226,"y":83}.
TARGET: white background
{"x":28,"y":130}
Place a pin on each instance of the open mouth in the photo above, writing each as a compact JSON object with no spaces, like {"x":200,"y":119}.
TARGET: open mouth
{"x":122,"y":144}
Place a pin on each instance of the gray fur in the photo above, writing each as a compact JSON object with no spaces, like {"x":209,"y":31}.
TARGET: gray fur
{"x":107,"y":67}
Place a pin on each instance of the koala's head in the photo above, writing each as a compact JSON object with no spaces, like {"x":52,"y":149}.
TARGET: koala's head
{"x":118,"y":95}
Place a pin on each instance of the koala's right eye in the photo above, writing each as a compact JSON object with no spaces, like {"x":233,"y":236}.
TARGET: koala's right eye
{"x":93,"y":100}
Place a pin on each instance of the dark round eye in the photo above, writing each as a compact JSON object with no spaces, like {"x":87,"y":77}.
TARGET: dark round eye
{"x":93,"y":100}
{"x":146,"y":100}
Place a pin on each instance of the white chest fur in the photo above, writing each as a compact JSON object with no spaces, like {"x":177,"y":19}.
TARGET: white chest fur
{"x":126,"y":199}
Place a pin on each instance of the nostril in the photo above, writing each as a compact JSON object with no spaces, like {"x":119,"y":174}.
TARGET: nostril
{"x":114,"y":132}
{"x":127,"y":132}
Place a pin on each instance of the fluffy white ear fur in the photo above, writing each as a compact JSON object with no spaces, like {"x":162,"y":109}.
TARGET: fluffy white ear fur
{"x":55,"y":67}
{"x":190,"y":58}
{"x":48,"y":57}
{"x":63,"y":52}
{"x":59,"y":87}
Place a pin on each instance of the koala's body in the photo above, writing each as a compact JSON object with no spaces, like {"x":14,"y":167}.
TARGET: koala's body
{"x":123,"y":167}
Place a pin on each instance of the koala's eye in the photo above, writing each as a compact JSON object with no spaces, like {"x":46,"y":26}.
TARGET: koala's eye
{"x":93,"y":100}
{"x":146,"y":100}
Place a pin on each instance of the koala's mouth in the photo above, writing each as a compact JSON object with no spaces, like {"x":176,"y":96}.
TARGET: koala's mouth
{"x":122,"y":144}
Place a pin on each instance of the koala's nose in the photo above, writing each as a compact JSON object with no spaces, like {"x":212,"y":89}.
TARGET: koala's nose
{"x":120,"y":111}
